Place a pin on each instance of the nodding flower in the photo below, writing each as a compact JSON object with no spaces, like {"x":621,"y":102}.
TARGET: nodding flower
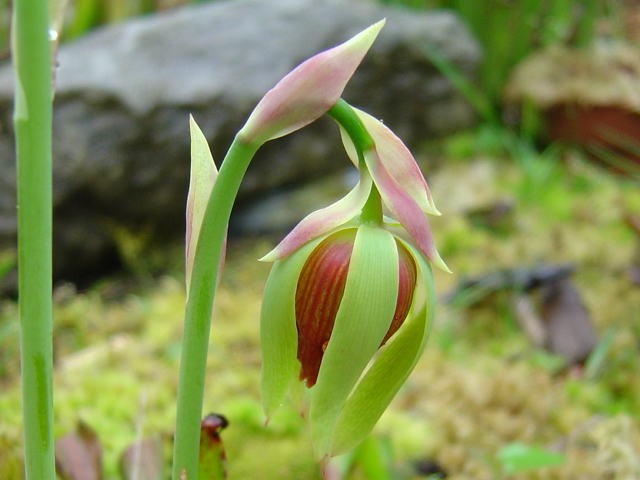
{"x":345,"y":282}
{"x":327,"y":309}
{"x":349,"y":302}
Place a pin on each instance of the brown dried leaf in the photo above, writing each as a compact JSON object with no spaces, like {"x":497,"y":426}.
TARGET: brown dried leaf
{"x":570,"y":333}
{"x":79,"y":455}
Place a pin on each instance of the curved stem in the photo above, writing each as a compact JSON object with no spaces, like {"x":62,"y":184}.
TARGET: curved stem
{"x":345,"y":115}
{"x":33,"y":119}
{"x":199,"y":307}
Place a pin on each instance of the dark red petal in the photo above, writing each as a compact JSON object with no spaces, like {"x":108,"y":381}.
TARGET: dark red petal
{"x":318,"y":296}
{"x":408,"y":276}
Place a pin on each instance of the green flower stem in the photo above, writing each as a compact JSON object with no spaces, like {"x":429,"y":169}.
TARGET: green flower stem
{"x":200,"y":305}
{"x":344,"y":114}
{"x":33,"y":118}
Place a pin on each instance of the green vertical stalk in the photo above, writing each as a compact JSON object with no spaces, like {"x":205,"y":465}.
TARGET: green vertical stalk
{"x":200,"y":305}
{"x":33,"y":118}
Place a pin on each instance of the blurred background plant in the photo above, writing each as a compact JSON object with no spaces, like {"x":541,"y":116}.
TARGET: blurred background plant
{"x":508,"y":31}
{"x":83,"y":15}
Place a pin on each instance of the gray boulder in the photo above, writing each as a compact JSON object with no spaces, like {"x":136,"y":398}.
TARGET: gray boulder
{"x":124,"y":93}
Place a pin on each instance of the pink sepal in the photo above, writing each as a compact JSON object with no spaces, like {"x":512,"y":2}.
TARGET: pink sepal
{"x":404,"y":208}
{"x":308,"y":91}
{"x":323,"y":221}
{"x":399,"y":162}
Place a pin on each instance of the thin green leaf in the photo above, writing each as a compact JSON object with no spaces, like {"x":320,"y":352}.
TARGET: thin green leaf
{"x":203,"y":176}
{"x":586,"y":27}
{"x":474,"y":95}
{"x":516,"y":458}
{"x":595,"y":364}
{"x":31,"y":56}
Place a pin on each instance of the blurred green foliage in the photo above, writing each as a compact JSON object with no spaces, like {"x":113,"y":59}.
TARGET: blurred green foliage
{"x":509,"y":30}
{"x":80,"y":16}
{"x":87,"y":14}
{"x":516,"y":457}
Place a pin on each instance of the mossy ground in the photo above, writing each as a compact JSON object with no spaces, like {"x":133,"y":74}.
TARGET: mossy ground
{"x":479,"y":386}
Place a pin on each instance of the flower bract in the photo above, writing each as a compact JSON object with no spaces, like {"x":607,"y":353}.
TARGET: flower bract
{"x":308,"y":91}
{"x":203,"y":176}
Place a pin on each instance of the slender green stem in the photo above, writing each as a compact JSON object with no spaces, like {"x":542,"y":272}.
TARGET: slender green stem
{"x":33,"y":117}
{"x":200,"y":304}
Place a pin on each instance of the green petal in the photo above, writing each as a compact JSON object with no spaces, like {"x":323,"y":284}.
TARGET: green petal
{"x":203,"y":176}
{"x":364,"y":316}
{"x":390,"y":370}
{"x":278,"y":332}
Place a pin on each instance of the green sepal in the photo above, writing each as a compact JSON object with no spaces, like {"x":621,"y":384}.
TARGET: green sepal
{"x":364,"y":316}
{"x":390,"y":370}
{"x":202,"y":177}
{"x":278,"y":333}
{"x":298,"y":394}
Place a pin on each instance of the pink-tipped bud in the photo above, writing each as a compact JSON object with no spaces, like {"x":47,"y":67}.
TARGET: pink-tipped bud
{"x":308,"y":91}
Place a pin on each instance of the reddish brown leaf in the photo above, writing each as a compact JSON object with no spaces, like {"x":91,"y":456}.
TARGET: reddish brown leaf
{"x":212,"y":460}
{"x":79,"y":455}
{"x":569,"y":329}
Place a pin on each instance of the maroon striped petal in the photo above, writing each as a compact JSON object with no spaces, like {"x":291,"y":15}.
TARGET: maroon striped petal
{"x":318,"y":295}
